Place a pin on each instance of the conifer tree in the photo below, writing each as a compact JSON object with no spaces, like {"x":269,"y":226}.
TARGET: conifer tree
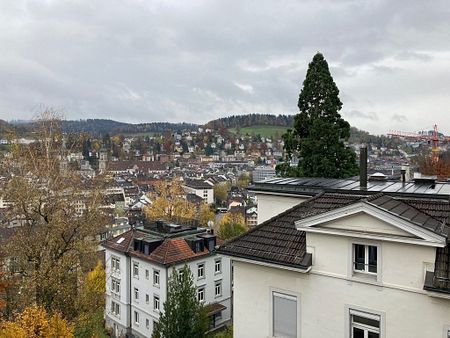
{"x":319,"y":130}
{"x":183,"y":315}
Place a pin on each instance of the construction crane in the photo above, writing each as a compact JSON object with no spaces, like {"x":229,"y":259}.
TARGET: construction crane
{"x":434,"y":139}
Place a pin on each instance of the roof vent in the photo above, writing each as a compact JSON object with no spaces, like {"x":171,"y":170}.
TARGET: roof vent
{"x":120,"y":240}
{"x":425,"y":180}
{"x":378,"y":177}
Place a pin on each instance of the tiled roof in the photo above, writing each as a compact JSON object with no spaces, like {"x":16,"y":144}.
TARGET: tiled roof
{"x":277,"y":240}
{"x":170,"y":251}
{"x":173,"y":251}
{"x":197,"y":184}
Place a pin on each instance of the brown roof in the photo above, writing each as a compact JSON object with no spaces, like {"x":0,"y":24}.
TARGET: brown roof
{"x":278,"y":241}
{"x":170,"y":251}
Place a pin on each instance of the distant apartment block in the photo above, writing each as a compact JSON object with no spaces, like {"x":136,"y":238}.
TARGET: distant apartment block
{"x":263,"y":172}
{"x":139,"y":263}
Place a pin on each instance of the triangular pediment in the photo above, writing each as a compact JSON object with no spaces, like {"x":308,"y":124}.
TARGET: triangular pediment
{"x":364,"y":222}
{"x":367,"y":221}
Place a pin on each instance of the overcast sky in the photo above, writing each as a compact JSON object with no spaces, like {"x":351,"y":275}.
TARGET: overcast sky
{"x":193,"y":61}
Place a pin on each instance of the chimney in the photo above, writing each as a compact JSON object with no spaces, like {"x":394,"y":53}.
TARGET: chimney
{"x":363,"y":167}
{"x":403,"y":171}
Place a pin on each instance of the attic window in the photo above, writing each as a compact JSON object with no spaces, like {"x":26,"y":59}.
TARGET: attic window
{"x":120,"y":240}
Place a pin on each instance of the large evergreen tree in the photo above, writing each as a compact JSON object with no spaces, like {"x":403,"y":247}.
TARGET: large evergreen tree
{"x":319,"y":130}
{"x":183,"y":315}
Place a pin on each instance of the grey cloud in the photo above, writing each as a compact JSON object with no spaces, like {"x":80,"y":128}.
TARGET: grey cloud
{"x":168,"y":60}
{"x":362,"y":115}
{"x":400,"y":118}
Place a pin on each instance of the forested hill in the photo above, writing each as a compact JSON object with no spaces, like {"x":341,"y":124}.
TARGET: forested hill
{"x":97,"y":127}
{"x":249,"y":120}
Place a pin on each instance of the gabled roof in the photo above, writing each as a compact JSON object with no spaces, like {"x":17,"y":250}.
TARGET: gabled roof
{"x":197,"y":184}
{"x":278,"y":241}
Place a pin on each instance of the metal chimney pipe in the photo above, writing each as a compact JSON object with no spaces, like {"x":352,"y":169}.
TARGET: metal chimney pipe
{"x":363,"y":167}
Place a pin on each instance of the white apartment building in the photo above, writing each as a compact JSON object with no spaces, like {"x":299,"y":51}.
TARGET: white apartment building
{"x":345,"y":262}
{"x":139,"y":264}
{"x":200,"y":188}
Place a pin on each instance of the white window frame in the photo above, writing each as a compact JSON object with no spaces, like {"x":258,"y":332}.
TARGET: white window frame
{"x":115,"y":308}
{"x":218,"y":284}
{"x":203,"y":268}
{"x":357,"y":275}
{"x":366,"y":259}
{"x":136,"y":295}
{"x":156,"y":278}
{"x":289,"y":295}
{"x":147,"y":298}
{"x":115,"y":264}
{"x":147,"y":274}
{"x":363,"y":312}
{"x":156,"y":303}
{"x":147,"y":323}
{"x":136,"y":317}
{"x":136,"y":265}
{"x":115,"y":285}
{"x":217,"y":262}
{"x":201,"y":290}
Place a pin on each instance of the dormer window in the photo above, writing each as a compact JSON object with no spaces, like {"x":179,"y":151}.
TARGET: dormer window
{"x":365,"y":258}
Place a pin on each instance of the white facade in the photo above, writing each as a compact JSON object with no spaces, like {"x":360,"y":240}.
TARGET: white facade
{"x":332,"y":293}
{"x":141,"y":292}
{"x":270,"y":205}
{"x":206,"y":193}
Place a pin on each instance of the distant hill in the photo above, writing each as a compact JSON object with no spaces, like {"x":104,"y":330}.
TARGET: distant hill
{"x":250,"y":120}
{"x":98,"y":127}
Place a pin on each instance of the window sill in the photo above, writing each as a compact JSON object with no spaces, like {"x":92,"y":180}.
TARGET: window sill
{"x":366,"y":278}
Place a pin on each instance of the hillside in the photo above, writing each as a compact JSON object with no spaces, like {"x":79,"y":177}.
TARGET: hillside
{"x":250,"y":120}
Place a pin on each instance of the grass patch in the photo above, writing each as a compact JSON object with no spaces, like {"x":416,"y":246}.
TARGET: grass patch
{"x":265,"y":131}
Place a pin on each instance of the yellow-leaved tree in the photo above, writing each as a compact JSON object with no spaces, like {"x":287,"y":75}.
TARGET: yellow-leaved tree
{"x":205,"y":214}
{"x":231,"y":225}
{"x":170,"y":204}
{"x":35,"y":322}
{"x":91,"y":305}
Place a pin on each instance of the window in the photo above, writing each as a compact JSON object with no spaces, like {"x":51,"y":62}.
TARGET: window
{"x":156,"y":303}
{"x":201,"y":294}
{"x":115,"y":285}
{"x":218,"y":288}
{"x":115,"y":263}
{"x":205,"y":193}
{"x":365,"y":258}
{"x":201,"y":270}
{"x":364,"y":325}
{"x":218,"y":266}
{"x":136,"y":317}
{"x":115,"y":308}
{"x":448,"y":333}
{"x":284,"y":315}
{"x":147,"y":298}
{"x":147,"y":323}
{"x":136,"y":294}
{"x":156,"y":277}
{"x":135,"y":269}
{"x":147,"y":274}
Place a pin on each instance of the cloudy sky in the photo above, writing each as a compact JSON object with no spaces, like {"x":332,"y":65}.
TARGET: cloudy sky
{"x":143,"y":61}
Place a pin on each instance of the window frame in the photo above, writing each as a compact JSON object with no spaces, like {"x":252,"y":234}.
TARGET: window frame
{"x":363,"y":312}
{"x":288,"y":295}
{"x":156,"y":280}
{"x":136,"y":295}
{"x":203,"y":269}
{"x":446,"y":331}
{"x":373,"y":278}
{"x":136,"y":317}
{"x":366,"y":263}
{"x":156,"y":303}
{"x":218,"y":260}
{"x":201,"y":290}
{"x":135,"y":269}
{"x":218,"y":283}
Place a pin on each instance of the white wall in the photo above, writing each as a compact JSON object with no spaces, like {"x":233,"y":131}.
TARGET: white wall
{"x":272,"y":205}
{"x":122,"y":298}
{"x":324,"y":301}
